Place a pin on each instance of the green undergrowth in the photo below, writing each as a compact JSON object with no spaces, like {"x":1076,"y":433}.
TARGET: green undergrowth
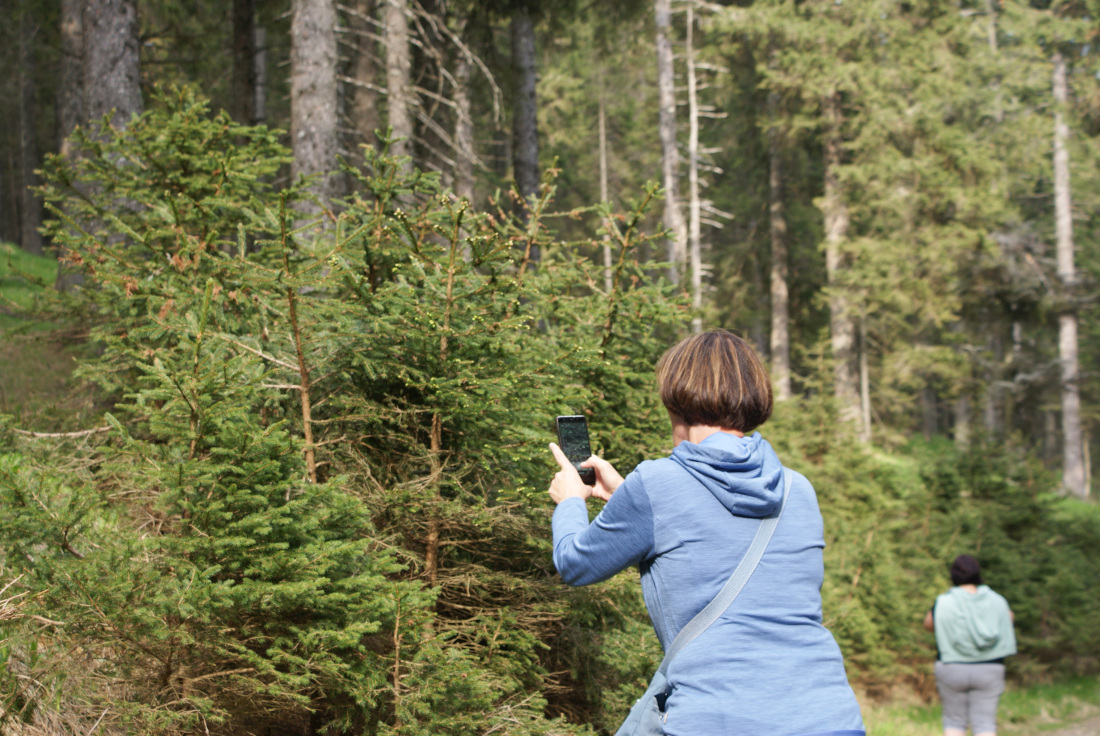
{"x":35,"y":385}
{"x":36,"y":357}
{"x":22,"y":277}
{"x":1024,"y":711}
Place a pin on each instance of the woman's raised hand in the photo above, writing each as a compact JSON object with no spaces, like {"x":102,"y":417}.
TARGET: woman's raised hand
{"x":567,"y":481}
{"x":607,"y":478}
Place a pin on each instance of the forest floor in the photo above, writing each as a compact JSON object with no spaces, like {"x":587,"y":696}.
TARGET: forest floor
{"x":1091,"y":727}
{"x":36,"y":360}
{"x":1065,"y":708}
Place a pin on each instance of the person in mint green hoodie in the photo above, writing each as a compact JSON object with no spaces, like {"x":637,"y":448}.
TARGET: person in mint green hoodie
{"x":973,"y":627}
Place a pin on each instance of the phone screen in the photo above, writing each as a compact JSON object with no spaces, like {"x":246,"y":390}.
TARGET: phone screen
{"x":573,"y":440}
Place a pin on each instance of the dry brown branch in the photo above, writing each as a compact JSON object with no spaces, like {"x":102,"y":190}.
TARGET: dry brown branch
{"x":11,"y":605}
{"x":260,"y":353}
{"x":53,"y":435}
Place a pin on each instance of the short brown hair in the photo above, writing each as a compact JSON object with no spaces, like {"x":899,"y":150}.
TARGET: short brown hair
{"x":715,"y":378}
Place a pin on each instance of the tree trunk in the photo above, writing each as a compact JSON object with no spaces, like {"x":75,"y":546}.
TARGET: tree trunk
{"x":464,"y":130}
{"x":243,"y":85}
{"x":111,"y":76}
{"x":112,"y":80}
{"x":313,"y":95}
{"x":864,"y":385}
{"x":842,"y":327}
{"x":70,"y":97}
{"x":993,"y":401}
{"x":70,"y":92}
{"x":694,"y":232}
{"x":1073,"y":461}
{"x":30,"y":210}
{"x":465,"y":157}
{"x":525,"y":133}
{"x":608,"y":282}
{"x":364,"y":99}
{"x":780,"y":300}
{"x":1050,"y":436}
{"x":961,"y":411}
{"x":991,"y":26}
{"x":259,"y":90}
{"x":670,"y":157}
{"x":395,"y":22}
{"x":929,"y":411}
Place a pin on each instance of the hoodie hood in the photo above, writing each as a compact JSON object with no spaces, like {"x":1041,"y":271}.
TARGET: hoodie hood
{"x":976,"y":619}
{"x":743,"y":473}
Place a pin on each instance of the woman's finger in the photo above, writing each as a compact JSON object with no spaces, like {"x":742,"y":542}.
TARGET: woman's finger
{"x":563,"y":461}
{"x":595,"y":462}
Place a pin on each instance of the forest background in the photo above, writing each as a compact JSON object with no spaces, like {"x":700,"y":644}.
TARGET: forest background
{"x":298,"y":287}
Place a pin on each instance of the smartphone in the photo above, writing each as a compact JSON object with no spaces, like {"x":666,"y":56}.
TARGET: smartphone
{"x":573,"y":440}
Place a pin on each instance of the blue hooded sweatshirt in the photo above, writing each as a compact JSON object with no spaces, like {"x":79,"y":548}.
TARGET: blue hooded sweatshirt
{"x":767,"y":667}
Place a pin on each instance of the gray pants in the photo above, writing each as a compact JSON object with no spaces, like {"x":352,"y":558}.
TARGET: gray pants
{"x":970,"y":693}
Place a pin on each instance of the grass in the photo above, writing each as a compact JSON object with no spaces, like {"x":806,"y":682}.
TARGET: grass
{"x":1024,"y":711}
{"x":35,"y":362}
{"x":22,"y":277}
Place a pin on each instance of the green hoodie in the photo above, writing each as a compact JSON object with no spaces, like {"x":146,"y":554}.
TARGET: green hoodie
{"x":973,"y":627}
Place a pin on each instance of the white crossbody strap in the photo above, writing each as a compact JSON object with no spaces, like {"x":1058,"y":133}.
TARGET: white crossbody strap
{"x":733,"y":586}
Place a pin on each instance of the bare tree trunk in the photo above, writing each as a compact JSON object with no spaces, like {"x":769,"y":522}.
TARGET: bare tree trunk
{"x":525,"y":134}
{"x":991,"y":27}
{"x":112,"y":81}
{"x":395,"y":21}
{"x":111,"y":77}
{"x":780,"y":299}
{"x":1073,"y":462}
{"x":1050,"y":435}
{"x":243,"y":84}
{"x":842,"y":327}
{"x":364,"y":99}
{"x":259,"y":91}
{"x":694,"y":231}
{"x":465,"y":156}
{"x":929,"y":412}
{"x":758,"y":327}
{"x":670,"y":157}
{"x":70,"y":98}
{"x":604,"y":196}
{"x":4,"y":224}
{"x":464,"y":130}
{"x":993,"y":404}
{"x":243,"y":98}
{"x":70,"y":92}
{"x":864,"y":385}
{"x":961,"y":411}
{"x":1088,"y":458}
{"x":31,"y":210}
{"x":313,"y":118}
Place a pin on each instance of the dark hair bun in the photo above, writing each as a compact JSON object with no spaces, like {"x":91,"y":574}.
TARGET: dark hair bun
{"x":965,"y":570}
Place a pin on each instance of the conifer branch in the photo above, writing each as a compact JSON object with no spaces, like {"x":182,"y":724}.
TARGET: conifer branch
{"x":303,"y":369}
{"x":624,"y":248}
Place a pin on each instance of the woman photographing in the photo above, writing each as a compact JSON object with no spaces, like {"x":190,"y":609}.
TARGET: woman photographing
{"x":765,"y":665}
